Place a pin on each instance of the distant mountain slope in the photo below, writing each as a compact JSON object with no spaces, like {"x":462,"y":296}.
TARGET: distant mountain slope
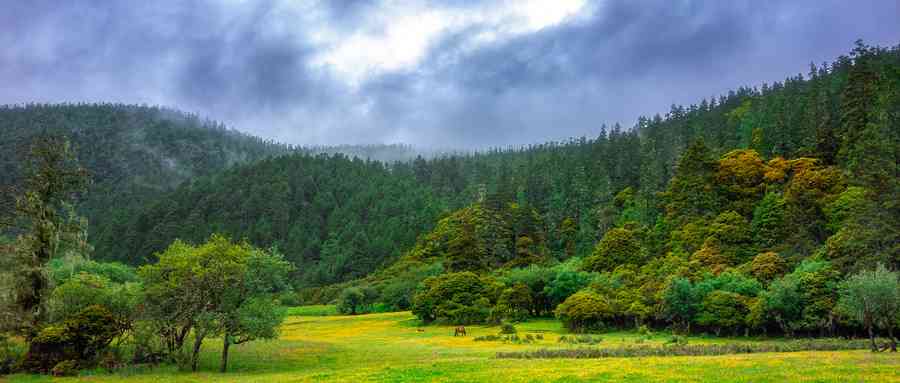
{"x":132,"y":152}
{"x":333,"y":217}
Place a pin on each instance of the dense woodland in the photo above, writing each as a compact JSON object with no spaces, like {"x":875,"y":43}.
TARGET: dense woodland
{"x":767,"y":210}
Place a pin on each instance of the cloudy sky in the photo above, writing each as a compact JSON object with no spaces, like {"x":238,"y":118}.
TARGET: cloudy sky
{"x":442,"y":73}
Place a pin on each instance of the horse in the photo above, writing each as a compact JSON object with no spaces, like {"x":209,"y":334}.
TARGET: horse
{"x":460,"y":331}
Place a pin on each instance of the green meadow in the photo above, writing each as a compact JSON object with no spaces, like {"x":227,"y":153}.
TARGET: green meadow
{"x":392,"y":347}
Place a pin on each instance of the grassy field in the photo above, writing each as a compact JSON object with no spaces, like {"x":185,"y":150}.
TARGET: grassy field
{"x":389,"y":348}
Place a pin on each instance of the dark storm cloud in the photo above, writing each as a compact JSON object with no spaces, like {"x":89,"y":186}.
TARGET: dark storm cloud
{"x":253,"y":64}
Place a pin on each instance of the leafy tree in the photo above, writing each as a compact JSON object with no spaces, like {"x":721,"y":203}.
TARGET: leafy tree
{"x":722,"y":310}
{"x":783,"y":302}
{"x":205,"y":288}
{"x":515,"y":302}
{"x":249,"y":310}
{"x":681,"y":302}
{"x":351,"y":299}
{"x":619,"y":246}
{"x":565,"y":284}
{"x":740,"y":178}
{"x":768,"y":266}
{"x":691,"y":191}
{"x":83,"y":290}
{"x":584,"y":311}
{"x":46,"y":225}
{"x":873,"y":299}
{"x":768,"y":224}
{"x":461,"y":298}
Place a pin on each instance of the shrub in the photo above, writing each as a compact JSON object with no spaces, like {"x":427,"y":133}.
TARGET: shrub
{"x":80,"y":338}
{"x":507,"y":328}
{"x":10,"y":355}
{"x":351,"y":300}
{"x":83,"y":290}
{"x":485,"y":338}
{"x":584,"y":311}
{"x":580,"y":339}
{"x":65,"y":368}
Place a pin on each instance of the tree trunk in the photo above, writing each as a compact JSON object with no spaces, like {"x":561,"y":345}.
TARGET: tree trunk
{"x":195,"y":356}
{"x":891,"y":336}
{"x":225,"y":344}
{"x":872,"y":337}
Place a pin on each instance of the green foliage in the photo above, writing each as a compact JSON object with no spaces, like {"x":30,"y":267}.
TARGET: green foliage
{"x":507,"y":328}
{"x":515,"y":302}
{"x":872,"y":298}
{"x":803,"y":299}
{"x":65,"y":368}
{"x":218,"y":287}
{"x":619,"y":246}
{"x":680,"y":302}
{"x":692,"y":191}
{"x":397,"y":292}
{"x":584,"y":311}
{"x":740,"y":178}
{"x":350,"y":300}
{"x":10,"y":355}
{"x":566,"y":283}
{"x":733,"y":236}
{"x":61,"y":269}
{"x":80,"y":338}
{"x":722,"y":310}
{"x":83,"y":290}
{"x":47,"y":227}
{"x":768,"y":224}
{"x":458,"y":298}
{"x":767,"y":266}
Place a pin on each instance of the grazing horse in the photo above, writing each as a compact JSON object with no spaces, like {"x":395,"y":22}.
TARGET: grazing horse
{"x":460,"y":331}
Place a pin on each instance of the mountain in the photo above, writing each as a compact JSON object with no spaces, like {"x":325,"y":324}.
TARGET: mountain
{"x":340,"y":218}
{"x":133,"y":153}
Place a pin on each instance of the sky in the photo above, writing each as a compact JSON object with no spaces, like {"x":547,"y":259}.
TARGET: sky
{"x":439,"y":73}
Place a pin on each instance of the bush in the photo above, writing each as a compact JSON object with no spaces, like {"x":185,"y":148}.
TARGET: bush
{"x":507,"y":328}
{"x":10,"y":355}
{"x":351,"y":300}
{"x":486,"y":338}
{"x":83,"y":290}
{"x":580,"y":339}
{"x":65,"y":368}
{"x":80,"y":338}
{"x":584,"y":311}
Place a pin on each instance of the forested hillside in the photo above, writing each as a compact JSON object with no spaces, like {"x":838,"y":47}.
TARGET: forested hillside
{"x":132,"y":153}
{"x":842,"y":116}
{"x":337,"y":218}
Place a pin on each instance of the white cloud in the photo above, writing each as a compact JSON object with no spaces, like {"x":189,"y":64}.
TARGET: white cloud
{"x":397,"y":36}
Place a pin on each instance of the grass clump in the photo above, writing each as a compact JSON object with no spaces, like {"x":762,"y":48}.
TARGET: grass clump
{"x":580,"y":339}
